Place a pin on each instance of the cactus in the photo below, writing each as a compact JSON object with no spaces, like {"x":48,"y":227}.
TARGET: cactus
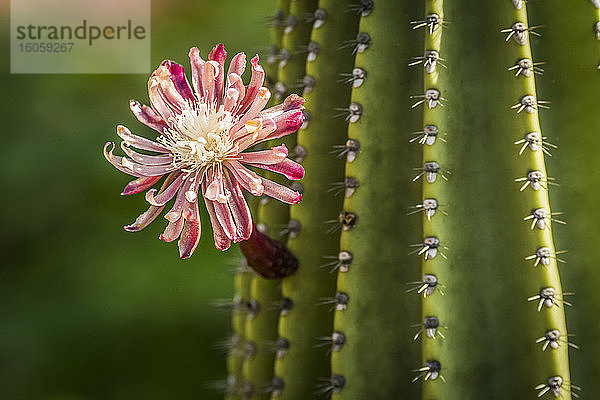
{"x":445,"y":190}
{"x":430,"y":239}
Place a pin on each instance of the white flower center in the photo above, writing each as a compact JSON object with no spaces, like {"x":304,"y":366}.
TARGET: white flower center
{"x":199,"y":136}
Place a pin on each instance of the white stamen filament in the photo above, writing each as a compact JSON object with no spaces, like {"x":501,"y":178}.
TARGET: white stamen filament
{"x":199,"y":136}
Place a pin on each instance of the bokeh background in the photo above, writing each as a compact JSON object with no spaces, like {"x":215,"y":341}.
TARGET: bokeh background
{"x":87,"y":310}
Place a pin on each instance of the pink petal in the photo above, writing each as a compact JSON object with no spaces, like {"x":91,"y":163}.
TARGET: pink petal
{"x":167,"y":193}
{"x":281,"y":192}
{"x":237,"y":65}
{"x":288,"y":168}
{"x":145,"y":158}
{"x":232,"y":96}
{"x":222,"y":242}
{"x":140,"y":142}
{"x":197,"y":64}
{"x":223,"y":215}
{"x":287,"y":123}
{"x":248,"y":179}
{"x":190,"y":237}
{"x":272,"y":156}
{"x":234,"y":81}
{"x":179,"y":80}
{"x":147,"y":116}
{"x":172,"y":231}
{"x":257,"y":105}
{"x":292,"y":102}
{"x":239,"y":209}
{"x":252,"y":133}
{"x":209,"y":75}
{"x":139,"y":185}
{"x":219,"y":55}
{"x":256,"y":81}
{"x":175,"y":212}
{"x":164,"y":98}
{"x":144,"y":219}
{"x":117,"y":161}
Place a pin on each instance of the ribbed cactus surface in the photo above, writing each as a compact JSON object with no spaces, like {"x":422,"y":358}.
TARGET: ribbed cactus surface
{"x":446,"y":144}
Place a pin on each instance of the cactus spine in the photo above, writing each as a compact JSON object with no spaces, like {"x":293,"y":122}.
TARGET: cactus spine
{"x":317,"y":242}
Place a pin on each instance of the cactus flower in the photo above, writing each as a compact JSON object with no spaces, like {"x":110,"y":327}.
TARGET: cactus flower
{"x":204,"y":135}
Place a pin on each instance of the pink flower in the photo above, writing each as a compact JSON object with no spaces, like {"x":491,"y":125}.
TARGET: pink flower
{"x":204,"y":135}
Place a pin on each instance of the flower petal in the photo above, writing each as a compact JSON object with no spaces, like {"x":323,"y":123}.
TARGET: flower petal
{"x":281,"y":192}
{"x":288,"y":168}
{"x":248,"y":179}
{"x":197,"y":64}
{"x":222,"y":242}
{"x":175,"y":182}
{"x":209,"y":74}
{"x":286,"y":122}
{"x":190,"y":237}
{"x":172,"y":231}
{"x":239,"y":209}
{"x":140,"y":184}
{"x":144,"y":219}
{"x":175,"y":212}
{"x":218,"y":54}
{"x":223,"y":215}
{"x":272,"y":156}
{"x":256,"y":82}
{"x":119,"y":163}
{"x":147,"y":116}
{"x":257,"y":105}
{"x":140,"y":142}
{"x":145,"y":158}
{"x":234,"y":81}
{"x":180,"y":82}
{"x":292,"y":102}
{"x":237,"y":65}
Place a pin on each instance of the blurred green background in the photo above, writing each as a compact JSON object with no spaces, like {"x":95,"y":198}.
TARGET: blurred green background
{"x":87,"y":310}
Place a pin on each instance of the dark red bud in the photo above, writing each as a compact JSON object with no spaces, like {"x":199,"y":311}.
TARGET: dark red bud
{"x":268,"y":257}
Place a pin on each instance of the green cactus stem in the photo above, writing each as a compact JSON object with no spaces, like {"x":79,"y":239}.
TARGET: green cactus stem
{"x":261,"y":326}
{"x":570,"y":45}
{"x":306,"y":328}
{"x":495,"y":261}
{"x":236,"y":354}
{"x":378,"y":353}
